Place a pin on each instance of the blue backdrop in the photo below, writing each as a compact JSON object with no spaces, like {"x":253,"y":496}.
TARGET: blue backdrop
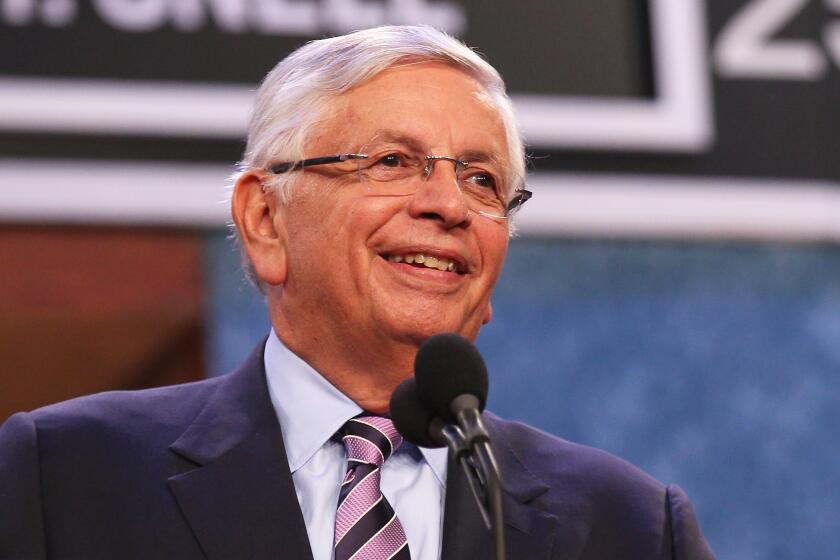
{"x":714,"y":366}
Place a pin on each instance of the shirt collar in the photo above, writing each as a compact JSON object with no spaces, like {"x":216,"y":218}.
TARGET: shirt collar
{"x":311,"y":410}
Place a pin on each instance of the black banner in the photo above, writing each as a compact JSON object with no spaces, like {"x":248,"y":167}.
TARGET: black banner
{"x":686,"y":88}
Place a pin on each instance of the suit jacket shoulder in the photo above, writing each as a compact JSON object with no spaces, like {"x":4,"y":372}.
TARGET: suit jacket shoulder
{"x":188,"y":471}
{"x":609,"y":508}
{"x":120,"y":417}
{"x":595,"y":473}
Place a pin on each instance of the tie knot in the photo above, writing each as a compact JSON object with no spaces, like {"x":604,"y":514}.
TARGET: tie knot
{"x":370,"y":439}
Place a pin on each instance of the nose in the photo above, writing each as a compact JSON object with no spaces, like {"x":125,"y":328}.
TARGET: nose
{"x":438,"y":195}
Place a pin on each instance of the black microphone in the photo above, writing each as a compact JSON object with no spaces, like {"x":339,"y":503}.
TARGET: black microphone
{"x":415,"y":421}
{"x":452,"y":381}
{"x":422,"y":426}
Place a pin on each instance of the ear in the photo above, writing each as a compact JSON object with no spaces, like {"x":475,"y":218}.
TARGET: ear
{"x":488,"y":316}
{"x":255,"y":213}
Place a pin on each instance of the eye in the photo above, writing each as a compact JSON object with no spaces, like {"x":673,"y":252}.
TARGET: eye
{"x":481,"y":179}
{"x":394,"y":159}
{"x":389,"y":164}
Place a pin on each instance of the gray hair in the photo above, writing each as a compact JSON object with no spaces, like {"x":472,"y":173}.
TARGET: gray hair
{"x":293,"y":96}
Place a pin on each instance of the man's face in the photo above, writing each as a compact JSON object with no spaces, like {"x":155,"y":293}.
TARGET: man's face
{"x":343,"y":242}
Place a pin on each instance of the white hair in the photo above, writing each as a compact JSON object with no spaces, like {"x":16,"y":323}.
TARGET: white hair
{"x":294,"y":95}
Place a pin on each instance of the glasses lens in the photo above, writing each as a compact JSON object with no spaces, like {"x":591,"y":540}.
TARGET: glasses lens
{"x":482,"y":187}
{"x":388,"y":168}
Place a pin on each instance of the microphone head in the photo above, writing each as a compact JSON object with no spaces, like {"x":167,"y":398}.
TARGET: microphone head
{"x":447,"y":366}
{"x":411,"y":417}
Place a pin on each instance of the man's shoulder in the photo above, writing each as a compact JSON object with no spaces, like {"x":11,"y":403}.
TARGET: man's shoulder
{"x":161,"y":410}
{"x":562,"y":464}
{"x":610,"y":508}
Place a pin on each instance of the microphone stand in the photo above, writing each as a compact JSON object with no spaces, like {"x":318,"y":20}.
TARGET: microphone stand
{"x":479,"y":440}
{"x":457,"y":443}
{"x":469,"y":444}
{"x":472,"y":435}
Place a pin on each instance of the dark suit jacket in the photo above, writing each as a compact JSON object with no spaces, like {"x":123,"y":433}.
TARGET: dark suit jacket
{"x":199,"y":470}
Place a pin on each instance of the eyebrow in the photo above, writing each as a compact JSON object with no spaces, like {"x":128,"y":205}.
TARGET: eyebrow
{"x":478,"y":156}
{"x":397,"y":137}
{"x":481,"y":157}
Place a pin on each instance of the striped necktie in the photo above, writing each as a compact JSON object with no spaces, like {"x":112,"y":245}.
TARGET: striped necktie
{"x":366,"y":527}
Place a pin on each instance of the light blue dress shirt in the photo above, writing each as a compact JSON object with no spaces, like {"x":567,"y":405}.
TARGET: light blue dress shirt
{"x":311,"y":411}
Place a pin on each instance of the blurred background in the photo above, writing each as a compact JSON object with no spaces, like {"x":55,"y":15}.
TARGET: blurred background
{"x":674,"y":292}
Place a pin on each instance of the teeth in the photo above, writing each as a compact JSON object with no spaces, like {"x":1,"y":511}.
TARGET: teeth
{"x":439,"y":263}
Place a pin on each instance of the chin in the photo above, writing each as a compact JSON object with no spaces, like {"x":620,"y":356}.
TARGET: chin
{"x":414,"y":325}
{"x":416,"y":334}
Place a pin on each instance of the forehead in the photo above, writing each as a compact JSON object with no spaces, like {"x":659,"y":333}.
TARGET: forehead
{"x":438,"y":106}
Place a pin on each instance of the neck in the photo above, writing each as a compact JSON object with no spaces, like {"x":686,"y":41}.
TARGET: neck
{"x":366,"y":372}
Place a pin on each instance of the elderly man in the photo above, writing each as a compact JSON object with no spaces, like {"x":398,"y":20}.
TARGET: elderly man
{"x":374,"y":209}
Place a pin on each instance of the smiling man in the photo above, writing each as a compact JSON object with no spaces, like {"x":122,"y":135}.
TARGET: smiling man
{"x":393,"y":245}
{"x":373,"y":208}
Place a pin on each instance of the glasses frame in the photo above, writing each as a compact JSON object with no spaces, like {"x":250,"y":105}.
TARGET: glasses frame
{"x":521,"y":196}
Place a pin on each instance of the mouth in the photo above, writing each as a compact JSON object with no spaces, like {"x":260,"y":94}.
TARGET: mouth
{"x":428,"y":260}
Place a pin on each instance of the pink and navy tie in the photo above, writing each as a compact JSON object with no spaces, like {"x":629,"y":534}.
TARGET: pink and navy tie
{"x":366,"y":527}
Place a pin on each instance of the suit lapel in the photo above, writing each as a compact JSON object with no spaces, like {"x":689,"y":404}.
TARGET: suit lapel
{"x":236,"y":490}
{"x":529,"y":531}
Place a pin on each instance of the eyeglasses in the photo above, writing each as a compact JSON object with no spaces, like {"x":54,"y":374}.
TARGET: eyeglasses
{"x":397,"y":171}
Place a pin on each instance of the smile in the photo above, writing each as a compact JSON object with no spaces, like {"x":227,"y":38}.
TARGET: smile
{"x":420,"y":260}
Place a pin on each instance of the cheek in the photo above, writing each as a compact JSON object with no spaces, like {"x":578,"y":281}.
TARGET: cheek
{"x":314,"y":238}
{"x":494,"y":249}
{"x":364,"y":219}
{"x":367,"y":215}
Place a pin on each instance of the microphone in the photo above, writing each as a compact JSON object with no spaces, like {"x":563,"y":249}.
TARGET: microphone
{"x":452,"y":381}
{"x":415,"y":421}
{"x":451,"y":376}
{"x":421,"y":426}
